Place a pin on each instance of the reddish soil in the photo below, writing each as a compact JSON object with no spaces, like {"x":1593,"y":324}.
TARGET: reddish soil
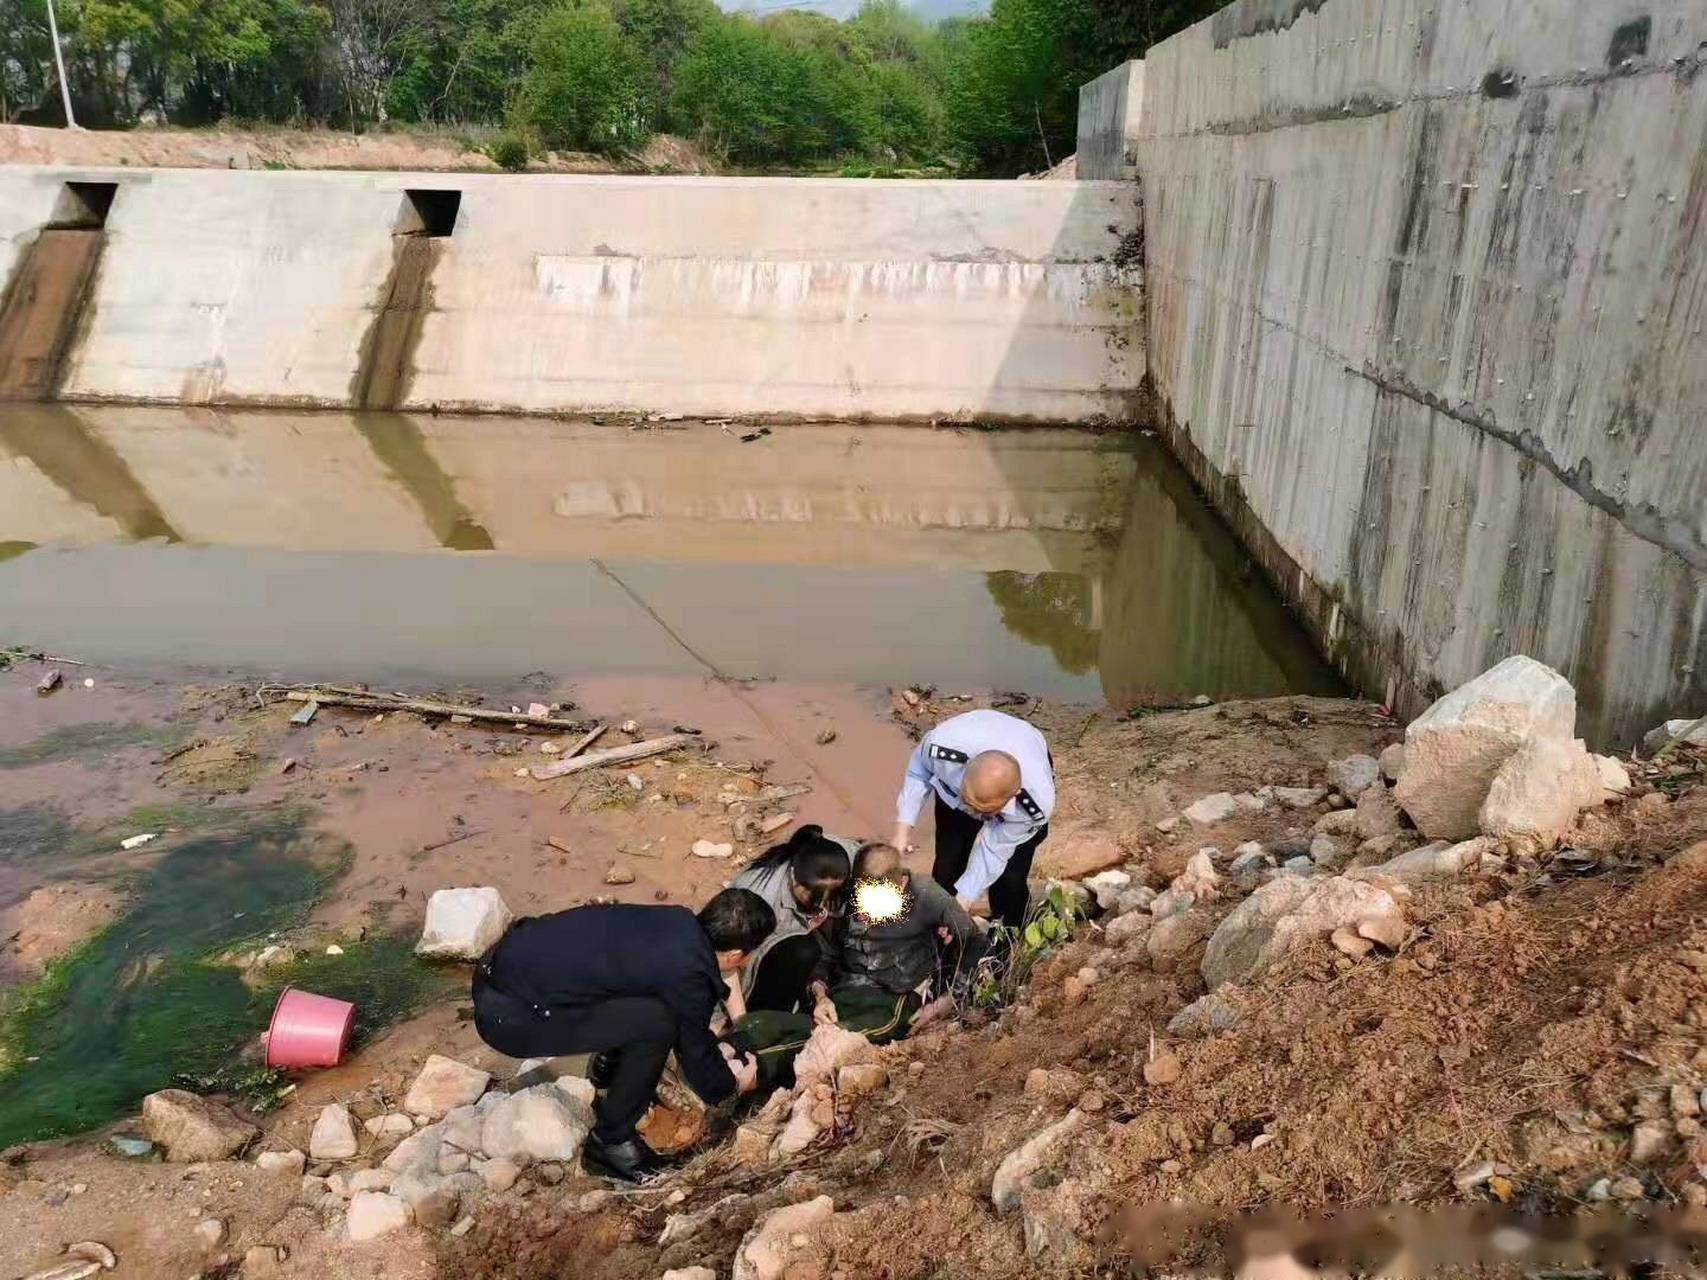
{"x":1530,"y":1019}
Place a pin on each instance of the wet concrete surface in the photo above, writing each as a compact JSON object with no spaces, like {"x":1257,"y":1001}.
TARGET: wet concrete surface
{"x":395,"y":547}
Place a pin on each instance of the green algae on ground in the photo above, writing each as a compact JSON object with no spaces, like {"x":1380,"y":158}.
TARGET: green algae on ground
{"x":79,"y":741}
{"x":44,"y":833}
{"x":143,"y":1002}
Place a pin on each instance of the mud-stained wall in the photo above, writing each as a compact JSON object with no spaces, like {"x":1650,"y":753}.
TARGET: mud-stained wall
{"x":698,"y":296}
{"x":1108,"y":123}
{"x":1427,"y":289}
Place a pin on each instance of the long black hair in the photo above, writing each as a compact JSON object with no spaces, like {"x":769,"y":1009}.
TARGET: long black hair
{"x":817,"y":861}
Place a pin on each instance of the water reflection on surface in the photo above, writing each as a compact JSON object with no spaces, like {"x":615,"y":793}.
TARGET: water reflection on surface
{"x":1061,"y":563}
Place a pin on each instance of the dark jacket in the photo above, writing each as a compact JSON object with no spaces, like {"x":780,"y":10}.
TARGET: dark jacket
{"x":577,"y":958}
{"x":898,"y":955}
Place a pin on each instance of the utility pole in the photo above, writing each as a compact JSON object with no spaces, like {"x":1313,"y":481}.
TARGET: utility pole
{"x":59,"y":61}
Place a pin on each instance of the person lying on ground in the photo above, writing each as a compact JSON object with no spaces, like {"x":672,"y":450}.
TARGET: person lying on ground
{"x":802,"y":879}
{"x":632,"y":984}
{"x":887,"y":977}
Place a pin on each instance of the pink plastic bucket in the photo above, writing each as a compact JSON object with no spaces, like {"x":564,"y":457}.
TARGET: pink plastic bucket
{"x":309,"y":1030}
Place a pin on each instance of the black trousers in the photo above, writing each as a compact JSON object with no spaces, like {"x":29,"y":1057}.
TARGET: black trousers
{"x":780,"y":983}
{"x":635,"y":1033}
{"x":956,"y":832}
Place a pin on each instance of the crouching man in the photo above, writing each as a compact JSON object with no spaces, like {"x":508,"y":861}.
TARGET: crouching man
{"x":887,"y":975}
{"x":633,"y":984}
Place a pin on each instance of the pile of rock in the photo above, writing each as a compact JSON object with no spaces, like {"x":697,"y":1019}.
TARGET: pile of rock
{"x":454,"y":1140}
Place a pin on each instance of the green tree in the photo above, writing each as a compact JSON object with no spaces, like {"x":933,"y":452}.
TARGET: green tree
{"x":663,"y":30}
{"x":586,"y":85}
{"x":735,"y":91}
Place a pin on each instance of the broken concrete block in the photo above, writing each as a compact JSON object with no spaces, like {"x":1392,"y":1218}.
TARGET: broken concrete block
{"x":1538,"y":792}
{"x":463,"y":924}
{"x":1284,"y":914}
{"x":1354,"y":774}
{"x":443,"y":1085}
{"x":1454,"y":749}
{"x":1658,"y":737}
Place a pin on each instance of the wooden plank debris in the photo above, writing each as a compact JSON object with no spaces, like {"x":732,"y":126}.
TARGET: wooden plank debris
{"x":614,"y":755}
{"x":378,"y":702}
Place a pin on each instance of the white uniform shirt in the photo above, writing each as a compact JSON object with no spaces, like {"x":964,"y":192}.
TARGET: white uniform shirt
{"x":938,"y":764}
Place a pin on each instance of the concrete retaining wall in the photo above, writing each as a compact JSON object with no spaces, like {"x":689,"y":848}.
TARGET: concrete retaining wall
{"x":690,"y":295}
{"x":1108,"y":123}
{"x":1426,"y":290}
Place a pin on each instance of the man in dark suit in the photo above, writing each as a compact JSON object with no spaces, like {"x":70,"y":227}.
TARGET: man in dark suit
{"x":632,"y":984}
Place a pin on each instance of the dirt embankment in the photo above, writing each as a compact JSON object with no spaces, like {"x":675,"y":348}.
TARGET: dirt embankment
{"x":418,"y":151}
{"x":1506,"y":1053}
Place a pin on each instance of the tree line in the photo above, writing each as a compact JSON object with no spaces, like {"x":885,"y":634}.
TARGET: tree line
{"x":993,"y":95}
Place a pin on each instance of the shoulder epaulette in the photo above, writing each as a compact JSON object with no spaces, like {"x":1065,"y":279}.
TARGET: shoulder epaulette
{"x":948,"y":753}
{"x":1028,"y":806}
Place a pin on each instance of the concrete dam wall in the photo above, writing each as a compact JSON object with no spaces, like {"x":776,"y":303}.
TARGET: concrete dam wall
{"x":1427,"y":310}
{"x":701,"y":296}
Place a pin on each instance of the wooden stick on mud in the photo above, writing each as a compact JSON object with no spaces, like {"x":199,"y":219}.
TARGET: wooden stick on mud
{"x":376,"y":702}
{"x":614,"y":755}
{"x":587,"y":740}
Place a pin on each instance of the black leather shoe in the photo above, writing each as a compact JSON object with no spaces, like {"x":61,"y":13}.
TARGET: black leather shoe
{"x":628,"y":1161}
{"x":598,"y":1070}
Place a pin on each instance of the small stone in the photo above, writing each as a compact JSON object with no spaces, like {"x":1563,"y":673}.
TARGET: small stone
{"x":389,"y":1126}
{"x":826,"y":737}
{"x":538,"y":710}
{"x":287,"y":764}
{"x":464,"y":1225}
{"x":1388,"y":929}
{"x":1172,"y":1166}
{"x":1167,"y":825}
{"x":1131,"y":925}
{"x":712,"y":849}
{"x":550,"y":748}
{"x":191,"y":1128}
{"x":1340,"y":822}
{"x":1355,"y":774}
{"x":1348,"y":942}
{"x":1211,"y":809}
{"x":369,"y":1180}
{"x":334,"y":950}
{"x":130,"y":1147}
{"x":210,"y":1233}
{"x":1202,"y":700}
{"x":1325,"y":851}
{"x":334,"y":1136}
{"x":264,"y":1261}
{"x":619,"y":875}
{"x":1300,"y":797}
{"x":1467,"y":1180}
{"x":1628,"y":1189}
{"x":861,"y":1078}
{"x":1221,"y":1135}
{"x":1685,"y":1101}
{"x":374,"y":1214}
{"x":1695,"y":1195}
{"x":1649,"y":1140}
{"x":462,"y":924}
{"x":593,"y":1201}
{"x":1392,"y":761}
{"x":1299,"y":866}
{"x":288,"y":1162}
{"x":1261,"y":1141}
{"x":1163,"y":1069}
{"x":443,"y":1085}
{"x":635,"y":782}
{"x":549,"y":1173}
{"x":499,"y":1175}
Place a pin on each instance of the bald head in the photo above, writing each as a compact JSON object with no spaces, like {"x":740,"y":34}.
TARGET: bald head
{"x":877,"y":862}
{"x":991,"y":780}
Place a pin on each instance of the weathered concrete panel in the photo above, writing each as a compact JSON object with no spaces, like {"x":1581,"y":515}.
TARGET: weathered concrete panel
{"x":699,"y":296}
{"x":1426,"y":289}
{"x":1108,"y":123}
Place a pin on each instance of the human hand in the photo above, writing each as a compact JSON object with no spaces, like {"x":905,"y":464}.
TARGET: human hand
{"x":746,"y":1072}
{"x":824,"y":1012}
{"x":729,"y":1052}
{"x":902,"y":839}
{"x":933,"y":1011}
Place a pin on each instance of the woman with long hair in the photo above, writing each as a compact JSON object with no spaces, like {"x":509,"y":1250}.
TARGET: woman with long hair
{"x":804,"y":879}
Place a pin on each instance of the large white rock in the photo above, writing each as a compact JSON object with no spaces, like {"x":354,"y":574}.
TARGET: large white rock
{"x":763,"y":1252}
{"x":463,"y":923}
{"x":1107,"y":887}
{"x":374,"y":1214}
{"x":1454,"y":749}
{"x":1019,"y":1165}
{"x":191,"y":1128}
{"x":827,"y":1052}
{"x":334,"y":1136}
{"x":1656,"y":738}
{"x":1284,"y":914}
{"x":443,"y":1085}
{"x":1538,"y":792}
{"x":420,"y":1150}
{"x":542,"y":1122}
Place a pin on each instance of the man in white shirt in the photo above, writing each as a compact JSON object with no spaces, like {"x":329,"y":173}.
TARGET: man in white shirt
{"x":994,"y":784}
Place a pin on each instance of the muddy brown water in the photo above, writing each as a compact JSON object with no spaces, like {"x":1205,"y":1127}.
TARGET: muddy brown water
{"x":393,"y":547}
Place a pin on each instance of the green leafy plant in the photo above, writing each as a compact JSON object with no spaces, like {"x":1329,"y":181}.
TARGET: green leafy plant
{"x":1049,"y":923}
{"x":509,"y":150}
